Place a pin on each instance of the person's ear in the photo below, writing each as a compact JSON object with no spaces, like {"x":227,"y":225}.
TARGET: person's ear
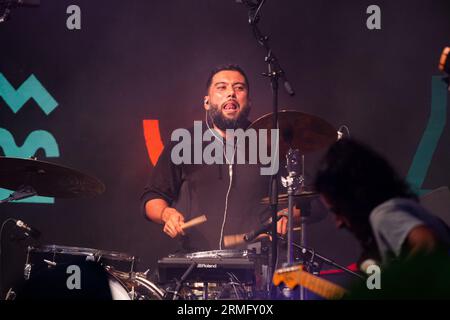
{"x":206,"y":103}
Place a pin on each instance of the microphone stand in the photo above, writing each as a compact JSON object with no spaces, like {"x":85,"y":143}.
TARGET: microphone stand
{"x":274,"y":74}
{"x":7,"y":5}
{"x":5,"y":15}
{"x":23,"y":192}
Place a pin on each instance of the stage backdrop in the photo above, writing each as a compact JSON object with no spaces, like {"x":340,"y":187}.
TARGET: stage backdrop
{"x":99,"y":88}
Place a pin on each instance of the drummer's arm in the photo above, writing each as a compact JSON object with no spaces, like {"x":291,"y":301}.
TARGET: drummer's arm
{"x":159,"y":211}
{"x":283,"y":222}
{"x":154,"y":209}
{"x":295,"y":213}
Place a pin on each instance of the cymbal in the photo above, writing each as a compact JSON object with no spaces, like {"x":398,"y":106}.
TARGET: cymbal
{"x":283,"y":198}
{"x":47,"y":179}
{"x":299,"y":130}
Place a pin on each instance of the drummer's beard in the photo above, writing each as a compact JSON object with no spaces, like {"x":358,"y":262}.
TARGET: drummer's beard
{"x":223,"y":123}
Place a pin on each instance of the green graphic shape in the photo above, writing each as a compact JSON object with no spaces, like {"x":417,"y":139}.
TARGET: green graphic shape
{"x":30,"y":88}
{"x":430,"y":138}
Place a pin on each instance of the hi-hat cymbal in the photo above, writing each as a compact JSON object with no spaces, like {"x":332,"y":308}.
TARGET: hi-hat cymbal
{"x":47,"y":179}
{"x":299,"y":130}
{"x":283,"y":198}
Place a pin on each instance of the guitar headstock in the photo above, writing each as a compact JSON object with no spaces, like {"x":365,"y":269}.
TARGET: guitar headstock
{"x":290,"y":276}
{"x":295,"y":276}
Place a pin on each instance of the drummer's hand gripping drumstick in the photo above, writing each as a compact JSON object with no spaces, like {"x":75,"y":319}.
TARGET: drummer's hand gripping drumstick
{"x":194,"y":222}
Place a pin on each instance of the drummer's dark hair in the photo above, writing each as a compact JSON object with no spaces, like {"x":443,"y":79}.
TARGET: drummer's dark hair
{"x":227,"y":67}
{"x":355,"y":179}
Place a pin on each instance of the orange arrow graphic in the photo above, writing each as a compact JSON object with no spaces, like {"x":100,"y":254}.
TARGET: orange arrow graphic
{"x":153,"y":140}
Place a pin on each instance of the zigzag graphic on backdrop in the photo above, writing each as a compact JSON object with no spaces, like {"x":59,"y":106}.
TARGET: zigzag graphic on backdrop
{"x":39,"y":139}
{"x":36,"y":140}
{"x":30,"y":88}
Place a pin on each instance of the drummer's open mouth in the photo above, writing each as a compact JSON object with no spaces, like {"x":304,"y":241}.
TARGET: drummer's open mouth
{"x":230,"y":105}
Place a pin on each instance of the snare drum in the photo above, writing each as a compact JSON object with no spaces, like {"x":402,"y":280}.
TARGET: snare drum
{"x":48,"y":256}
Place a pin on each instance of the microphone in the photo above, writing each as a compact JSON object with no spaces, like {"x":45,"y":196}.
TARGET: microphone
{"x":29,"y":231}
{"x":288,"y":87}
{"x":366,"y":264}
{"x":250,"y":236}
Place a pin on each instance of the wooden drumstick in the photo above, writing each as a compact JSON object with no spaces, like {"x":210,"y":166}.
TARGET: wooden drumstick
{"x":194,"y":222}
{"x":233,"y":240}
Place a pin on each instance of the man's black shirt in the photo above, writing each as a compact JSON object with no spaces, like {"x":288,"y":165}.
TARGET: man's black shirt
{"x":197,"y":189}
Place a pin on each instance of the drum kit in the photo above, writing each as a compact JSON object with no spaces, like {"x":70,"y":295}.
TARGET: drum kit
{"x":220,"y":274}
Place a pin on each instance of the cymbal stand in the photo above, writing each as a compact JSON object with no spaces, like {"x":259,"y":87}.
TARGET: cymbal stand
{"x":294,"y":181}
{"x":22,"y":193}
{"x":295,"y":165}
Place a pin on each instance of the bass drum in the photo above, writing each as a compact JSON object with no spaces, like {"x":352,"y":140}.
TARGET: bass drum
{"x":134,"y":287}
{"x":44,"y":286}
